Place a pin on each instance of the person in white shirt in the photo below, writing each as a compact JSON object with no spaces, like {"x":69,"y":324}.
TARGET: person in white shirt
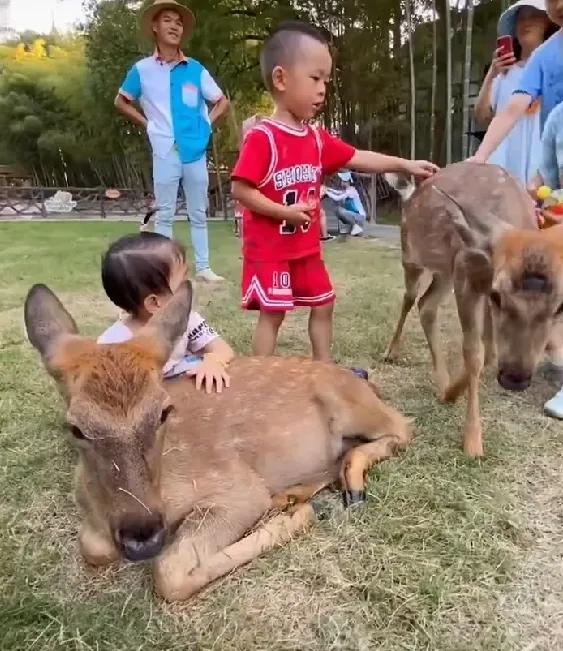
{"x":520,"y":152}
{"x":140,"y":273}
{"x":174,"y":92}
{"x":350,"y":209}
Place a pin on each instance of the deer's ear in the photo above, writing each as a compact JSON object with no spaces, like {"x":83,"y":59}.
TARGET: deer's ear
{"x":170,"y":323}
{"x":47,"y":322}
{"x":479,"y":270}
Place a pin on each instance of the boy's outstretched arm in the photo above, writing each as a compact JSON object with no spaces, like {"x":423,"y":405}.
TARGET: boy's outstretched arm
{"x":371,"y":161}
{"x":501,"y":126}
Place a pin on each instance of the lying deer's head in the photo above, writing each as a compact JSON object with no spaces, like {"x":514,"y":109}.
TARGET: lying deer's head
{"x":521,"y":272}
{"x":116,"y":412}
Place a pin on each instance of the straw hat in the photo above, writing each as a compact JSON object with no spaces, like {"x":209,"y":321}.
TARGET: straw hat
{"x":155,"y":7}
{"x":507,"y":21}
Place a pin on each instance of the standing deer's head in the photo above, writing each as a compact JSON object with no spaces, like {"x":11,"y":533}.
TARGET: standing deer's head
{"x":526,"y":298}
{"x":521,"y":273}
{"x":116,"y":411}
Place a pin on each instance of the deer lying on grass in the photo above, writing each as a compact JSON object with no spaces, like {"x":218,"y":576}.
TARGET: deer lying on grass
{"x":172,"y":474}
{"x":474,"y":229}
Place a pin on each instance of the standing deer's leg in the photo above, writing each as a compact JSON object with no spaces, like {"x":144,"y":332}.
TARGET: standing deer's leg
{"x":491,"y":358}
{"x":356,"y":464}
{"x":213,"y":543}
{"x":428,"y":306}
{"x":471,"y":310}
{"x":412,"y":281}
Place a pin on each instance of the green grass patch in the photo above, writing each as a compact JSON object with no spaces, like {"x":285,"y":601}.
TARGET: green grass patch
{"x":447,"y":554}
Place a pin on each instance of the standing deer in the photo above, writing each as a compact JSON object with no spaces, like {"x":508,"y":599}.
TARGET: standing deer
{"x":171,"y":474}
{"x":473,"y":227}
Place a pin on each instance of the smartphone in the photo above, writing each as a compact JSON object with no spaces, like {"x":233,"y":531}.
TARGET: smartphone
{"x":505,"y":45}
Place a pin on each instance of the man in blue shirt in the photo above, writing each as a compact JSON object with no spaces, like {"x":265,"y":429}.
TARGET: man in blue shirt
{"x":542,"y":78}
{"x":173,"y":91}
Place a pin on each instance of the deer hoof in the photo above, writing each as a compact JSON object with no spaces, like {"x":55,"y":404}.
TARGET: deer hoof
{"x":390,"y":356}
{"x":353,"y":498}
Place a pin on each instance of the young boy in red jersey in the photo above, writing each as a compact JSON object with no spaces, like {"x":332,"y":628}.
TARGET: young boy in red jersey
{"x":277,"y":179}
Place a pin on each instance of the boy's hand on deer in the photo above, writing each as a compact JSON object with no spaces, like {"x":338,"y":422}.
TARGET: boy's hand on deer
{"x":212,"y":372}
{"x":420,"y":169}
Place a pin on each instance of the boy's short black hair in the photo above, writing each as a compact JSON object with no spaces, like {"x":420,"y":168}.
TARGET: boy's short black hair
{"x":281,"y":48}
{"x":136,"y":266}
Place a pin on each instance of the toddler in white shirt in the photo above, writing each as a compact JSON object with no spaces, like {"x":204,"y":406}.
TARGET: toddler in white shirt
{"x":139,"y":274}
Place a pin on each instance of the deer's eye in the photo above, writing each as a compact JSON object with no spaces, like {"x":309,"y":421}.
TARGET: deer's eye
{"x":495,"y":298}
{"x":77,"y":433}
{"x":165,"y":413}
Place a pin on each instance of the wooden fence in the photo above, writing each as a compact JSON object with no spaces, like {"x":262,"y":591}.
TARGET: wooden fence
{"x":29,"y":202}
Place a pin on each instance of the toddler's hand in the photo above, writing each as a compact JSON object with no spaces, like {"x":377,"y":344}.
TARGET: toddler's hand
{"x":211,"y":372}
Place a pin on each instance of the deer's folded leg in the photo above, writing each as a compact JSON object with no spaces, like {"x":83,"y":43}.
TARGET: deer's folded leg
{"x":276,"y":531}
{"x":97,"y":548}
{"x":206,"y":530}
{"x":299,"y":494}
{"x":357,"y":462}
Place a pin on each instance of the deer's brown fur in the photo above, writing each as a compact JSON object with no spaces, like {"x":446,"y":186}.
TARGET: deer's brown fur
{"x":177,"y":476}
{"x":473,"y":227}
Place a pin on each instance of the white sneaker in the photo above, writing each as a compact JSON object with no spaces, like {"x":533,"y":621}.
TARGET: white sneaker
{"x":208,"y":276}
{"x":554,"y":407}
{"x":356,"y":230}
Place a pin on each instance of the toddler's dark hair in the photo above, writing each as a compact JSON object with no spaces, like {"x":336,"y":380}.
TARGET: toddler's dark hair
{"x":281,"y":48}
{"x":136,"y":266}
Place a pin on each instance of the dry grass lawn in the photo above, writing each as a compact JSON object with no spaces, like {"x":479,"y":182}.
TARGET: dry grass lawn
{"x":447,"y":555}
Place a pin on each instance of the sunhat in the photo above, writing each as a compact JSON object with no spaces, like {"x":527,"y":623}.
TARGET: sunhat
{"x":154,"y":8}
{"x":507,"y":21}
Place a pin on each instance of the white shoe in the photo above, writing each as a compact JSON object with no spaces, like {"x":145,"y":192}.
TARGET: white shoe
{"x":554,"y":407}
{"x":208,"y":276}
{"x":356,"y":230}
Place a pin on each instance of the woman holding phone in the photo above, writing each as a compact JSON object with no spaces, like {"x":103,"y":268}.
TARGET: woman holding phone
{"x":521,"y":28}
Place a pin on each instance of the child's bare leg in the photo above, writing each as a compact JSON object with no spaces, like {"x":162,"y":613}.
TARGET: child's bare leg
{"x":266,"y":333}
{"x":320,"y":331}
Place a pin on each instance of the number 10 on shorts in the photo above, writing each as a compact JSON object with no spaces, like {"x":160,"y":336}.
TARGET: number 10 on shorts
{"x":281,"y":283}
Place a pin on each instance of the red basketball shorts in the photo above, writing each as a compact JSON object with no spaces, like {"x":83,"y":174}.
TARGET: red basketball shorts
{"x":283,"y":285}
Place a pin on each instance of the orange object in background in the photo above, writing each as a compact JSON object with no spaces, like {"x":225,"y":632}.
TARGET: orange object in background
{"x":552,"y":216}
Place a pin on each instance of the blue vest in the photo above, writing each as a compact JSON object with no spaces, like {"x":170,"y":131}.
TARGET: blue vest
{"x":189,"y":111}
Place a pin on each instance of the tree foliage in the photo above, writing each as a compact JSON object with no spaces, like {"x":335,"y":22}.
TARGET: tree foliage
{"x":57,"y":116}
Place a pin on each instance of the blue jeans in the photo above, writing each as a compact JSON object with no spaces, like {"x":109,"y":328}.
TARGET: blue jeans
{"x":167,"y":173}
{"x":350,"y":217}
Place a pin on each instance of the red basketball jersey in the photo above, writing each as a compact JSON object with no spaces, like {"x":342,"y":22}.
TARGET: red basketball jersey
{"x":287,"y":165}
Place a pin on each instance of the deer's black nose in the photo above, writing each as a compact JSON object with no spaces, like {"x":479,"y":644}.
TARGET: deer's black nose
{"x":141,"y":539}
{"x":514,"y":380}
